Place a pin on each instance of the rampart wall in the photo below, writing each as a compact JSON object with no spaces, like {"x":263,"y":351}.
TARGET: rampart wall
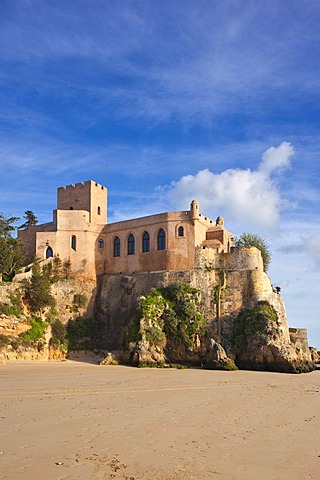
{"x":243,"y":288}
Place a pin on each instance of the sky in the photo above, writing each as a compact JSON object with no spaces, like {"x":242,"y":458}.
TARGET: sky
{"x":166,"y":101}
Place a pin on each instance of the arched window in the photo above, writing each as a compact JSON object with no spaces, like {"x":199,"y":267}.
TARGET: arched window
{"x":100,"y":243}
{"x":146,"y":242}
{"x":49,"y":252}
{"x":131,"y":242}
{"x":74,"y":242}
{"x":180,"y":231}
{"x":161,"y":239}
{"x":116,"y":247}
{"x":99,"y":210}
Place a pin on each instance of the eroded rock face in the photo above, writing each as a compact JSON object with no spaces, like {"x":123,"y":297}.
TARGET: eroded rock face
{"x":29,"y":353}
{"x":216,"y":357}
{"x":239,"y":288}
{"x":261,"y":345}
{"x":276,"y":357}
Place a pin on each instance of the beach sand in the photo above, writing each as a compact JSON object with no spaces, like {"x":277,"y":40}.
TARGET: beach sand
{"x":75,"y":420}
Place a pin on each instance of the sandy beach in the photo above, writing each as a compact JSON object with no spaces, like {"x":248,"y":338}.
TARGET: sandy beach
{"x":74,"y":420}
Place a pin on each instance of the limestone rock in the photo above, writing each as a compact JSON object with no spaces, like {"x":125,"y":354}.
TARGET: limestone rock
{"x":216,"y":357}
{"x":315,"y":355}
{"x":113,"y":358}
{"x":275,"y":355}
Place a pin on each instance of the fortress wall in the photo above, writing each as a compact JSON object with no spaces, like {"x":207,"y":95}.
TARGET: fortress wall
{"x":179,"y":252}
{"x":238,"y":259}
{"x":118,"y":296}
{"x":83,"y":259}
{"x":72,"y":219}
{"x":299,"y":338}
{"x":29,"y":238}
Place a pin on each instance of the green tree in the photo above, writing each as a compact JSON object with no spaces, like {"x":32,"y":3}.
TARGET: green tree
{"x":56,"y":267}
{"x":38,"y":292}
{"x":6,"y":227}
{"x":67,"y":268}
{"x":30,"y":218}
{"x":253,"y":240}
{"x":12,"y":253}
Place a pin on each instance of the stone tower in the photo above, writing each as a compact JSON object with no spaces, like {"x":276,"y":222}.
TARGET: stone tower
{"x":89,"y":196}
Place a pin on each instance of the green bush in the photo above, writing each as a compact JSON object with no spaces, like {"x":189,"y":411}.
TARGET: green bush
{"x":38,"y":291}
{"x":256,"y":322}
{"x":82,"y":333}
{"x":4,"y":340}
{"x":10,"y":310}
{"x":80,"y":300}
{"x":59,"y":331}
{"x":36,"y":332}
{"x":170,"y":313}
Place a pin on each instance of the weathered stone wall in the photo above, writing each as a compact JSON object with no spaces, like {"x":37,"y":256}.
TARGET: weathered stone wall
{"x":64,"y":292}
{"x":299,"y":338}
{"x":238,"y":288}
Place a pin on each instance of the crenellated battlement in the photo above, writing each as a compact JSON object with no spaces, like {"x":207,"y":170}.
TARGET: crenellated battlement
{"x":80,"y":186}
{"x":88,"y":195}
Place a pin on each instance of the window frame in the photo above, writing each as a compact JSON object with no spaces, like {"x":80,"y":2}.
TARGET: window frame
{"x":73,"y":242}
{"x":180,"y":229}
{"x":146,"y":242}
{"x":161,"y":239}
{"x":131,"y":244}
{"x":116,"y":247}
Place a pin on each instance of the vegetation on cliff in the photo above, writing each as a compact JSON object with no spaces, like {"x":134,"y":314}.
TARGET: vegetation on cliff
{"x":259,"y":344}
{"x":82,"y":333}
{"x":38,"y":290}
{"x":166,"y":318}
{"x":12,"y":254}
{"x":259,"y":322}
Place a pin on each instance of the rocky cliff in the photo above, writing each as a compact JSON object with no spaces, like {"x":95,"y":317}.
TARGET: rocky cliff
{"x":228,"y":284}
{"x":244,"y":319}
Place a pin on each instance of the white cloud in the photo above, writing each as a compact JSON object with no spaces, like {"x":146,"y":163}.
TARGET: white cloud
{"x":245,"y":197}
{"x":276,"y":158}
{"x":305,"y":244}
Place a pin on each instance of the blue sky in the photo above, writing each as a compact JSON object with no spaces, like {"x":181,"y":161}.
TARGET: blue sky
{"x":214,"y":100}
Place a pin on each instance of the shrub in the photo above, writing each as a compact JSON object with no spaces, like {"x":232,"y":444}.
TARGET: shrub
{"x":9,"y":310}
{"x":59,"y":331}
{"x":38,"y":291}
{"x":36,"y":332}
{"x":82,"y":333}
{"x":4,"y":340}
{"x":256,"y":323}
{"x":168,"y":313}
{"x":80,"y":300}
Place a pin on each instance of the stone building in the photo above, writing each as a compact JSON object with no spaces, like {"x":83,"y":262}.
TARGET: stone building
{"x":80,"y":233}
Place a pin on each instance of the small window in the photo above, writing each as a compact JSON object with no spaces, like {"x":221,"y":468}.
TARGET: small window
{"x":49,"y":252}
{"x":99,"y":210}
{"x":100,"y":243}
{"x":74,"y":242}
{"x":116,"y":247}
{"x":161,"y":239}
{"x":146,"y":242}
{"x":71,"y":208}
{"x":131,"y":243}
{"x":181,"y":232}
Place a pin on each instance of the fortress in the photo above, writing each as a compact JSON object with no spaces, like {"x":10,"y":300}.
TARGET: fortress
{"x":80,"y":233}
{"x":123,"y":261}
